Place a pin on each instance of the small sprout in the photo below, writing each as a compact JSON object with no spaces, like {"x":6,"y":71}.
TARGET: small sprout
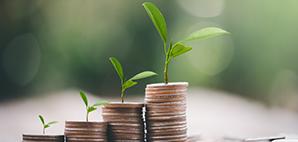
{"x":125,"y":84}
{"x":44,"y":124}
{"x":178,"y":48}
{"x":90,"y":108}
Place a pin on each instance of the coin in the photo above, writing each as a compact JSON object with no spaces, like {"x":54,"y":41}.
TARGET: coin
{"x":71,"y":139}
{"x":126,"y":121}
{"x":79,"y":132}
{"x":151,"y":92}
{"x":164,"y":96}
{"x":167,"y":128}
{"x":121,"y":120}
{"x":167,"y":118}
{"x":43,"y":138}
{"x":169,"y":137}
{"x":157,"y":101}
{"x":86,"y":131}
{"x":152,"y":133}
{"x":168,"y":85}
{"x":169,"y":123}
{"x":167,"y":104}
{"x":124,"y":105}
{"x":127,"y":140}
{"x":127,"y":136}
{"x":126,"y":124}
{"x":118,"y":114}
{"x":85,"y":124}
{"x":166,"y":112}
{"x":86,"y":136}
{"x":140,"y":127}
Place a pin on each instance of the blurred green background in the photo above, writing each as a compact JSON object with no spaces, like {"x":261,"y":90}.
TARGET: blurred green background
{"x":56,"y":45}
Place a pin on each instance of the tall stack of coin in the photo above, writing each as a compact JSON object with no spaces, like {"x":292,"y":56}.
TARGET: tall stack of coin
{"x":86,"y":131}
{"x":166,"y":112}
{"x":126,"y":121}
{"x":43,"y":138}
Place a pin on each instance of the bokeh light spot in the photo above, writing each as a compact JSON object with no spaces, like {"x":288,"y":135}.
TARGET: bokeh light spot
{"x":212,"y":56}
{"x":202,"y":8}
{"x":21,"y":59}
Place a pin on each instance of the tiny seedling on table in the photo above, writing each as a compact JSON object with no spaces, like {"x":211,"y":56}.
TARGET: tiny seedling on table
{"x":90,"y":108}
{"x":172,"y":50}
{"x":125,"y":84}
{"x":44,"y":124}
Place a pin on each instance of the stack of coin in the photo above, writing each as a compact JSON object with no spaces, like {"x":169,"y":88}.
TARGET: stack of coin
{"x":86,"y":131}
{"x":126,"y":121}
{"x":166,"y":112}
{"x":43,"y":138}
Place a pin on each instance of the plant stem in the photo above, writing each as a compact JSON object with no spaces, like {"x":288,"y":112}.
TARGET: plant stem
{"x":43,"y":131}
{"x":165,"y":47}
{"x":87,"y":116}
{"x":122,"y":96}
{"x":165,"y":72}
{"x":167,"y":61}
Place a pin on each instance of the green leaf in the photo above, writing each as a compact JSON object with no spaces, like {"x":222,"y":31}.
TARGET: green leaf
{"x":46,"y":126}
{"x":142,"y":75}
{"x":206,"y":33}
{"x":41,"y":119}
{"x":84,"y":98}
{"x":157,"y":18}
{"x":92,"y":108}
{"x":52,"y":122}
{"x":117,"y":67}
{"x":179,"y":49}
{"x":103,"y":102}
{"x":128,"y":84}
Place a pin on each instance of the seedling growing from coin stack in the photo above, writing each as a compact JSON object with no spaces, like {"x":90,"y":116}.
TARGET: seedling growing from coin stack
{"x":125,"y":84}
{"x":44,"y":137}
{"x":90,"y":108}
{"x":44,"y":124}
{"x":86,"y":131}
{"x":168,"y":99}
{"x":174,"y":49}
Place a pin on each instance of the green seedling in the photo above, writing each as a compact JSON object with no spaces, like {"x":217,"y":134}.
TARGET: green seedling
{"x":44,"y":124}
{"x":125,"y":84}
{"x":90,"y":108}
{"x":171,"y":49}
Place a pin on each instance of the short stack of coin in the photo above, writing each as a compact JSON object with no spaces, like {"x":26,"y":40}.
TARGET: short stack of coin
{"x":166,"y":112}
{"x":126,"y":121}
{"x":86,"y":131}
{"x":43,"y":138}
